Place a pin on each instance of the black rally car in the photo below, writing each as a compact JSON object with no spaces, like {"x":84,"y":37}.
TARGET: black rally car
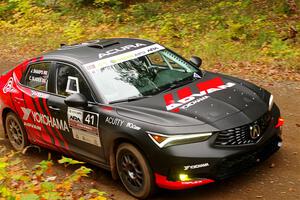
{"x":140,"y":110}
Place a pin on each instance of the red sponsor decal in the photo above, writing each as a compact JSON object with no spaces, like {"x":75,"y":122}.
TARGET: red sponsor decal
{"x":188,"y":99}
{"x":169,"y":101}
{"x":184,"y":92}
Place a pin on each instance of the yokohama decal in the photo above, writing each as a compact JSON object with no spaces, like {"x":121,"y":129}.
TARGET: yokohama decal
{"x":188,"y":99}
{"x":45,"y":119}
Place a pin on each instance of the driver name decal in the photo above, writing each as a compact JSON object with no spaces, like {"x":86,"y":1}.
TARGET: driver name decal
{"x":188,"y":99}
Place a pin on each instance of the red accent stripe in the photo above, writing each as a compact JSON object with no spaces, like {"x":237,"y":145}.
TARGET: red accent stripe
{"x":213,"y":83}
{"x":162,"y":182}
{"x":184,"y":92}
{"x":108,"y":108}
{"x":45,"y":134}
{"x":40,"y":133}
{"x":59,"y":134}
{"x":33,"y":60}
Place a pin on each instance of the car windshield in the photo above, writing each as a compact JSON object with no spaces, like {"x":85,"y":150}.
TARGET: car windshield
{"x":143,"y":76}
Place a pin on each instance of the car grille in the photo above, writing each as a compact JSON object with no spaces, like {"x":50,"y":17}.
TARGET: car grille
{"x":230,"y":166}
{"x":241,"y":135}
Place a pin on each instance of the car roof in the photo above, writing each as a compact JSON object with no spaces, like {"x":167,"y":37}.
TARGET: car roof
{"x":89,"y":51}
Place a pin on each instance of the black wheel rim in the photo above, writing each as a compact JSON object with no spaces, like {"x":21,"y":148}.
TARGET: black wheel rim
{"x":15,"y":133}
{"x":131,"y":171}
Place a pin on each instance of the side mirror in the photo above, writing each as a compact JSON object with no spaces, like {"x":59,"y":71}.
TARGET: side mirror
{"x":76,"y":100}
{"x":196,"y":61}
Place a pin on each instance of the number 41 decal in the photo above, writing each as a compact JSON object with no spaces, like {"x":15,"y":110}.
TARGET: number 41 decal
{"x":90,"y":119}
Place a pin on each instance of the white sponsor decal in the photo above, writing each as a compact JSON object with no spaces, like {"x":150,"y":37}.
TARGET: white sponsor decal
{"x":114,"y":121}
{"x":189,"y":167}
{"x":9,"y":86}
{"x":133,"y":126}
{"x":75,"y":115}
{"x":121,"y":49}
{"x":119,"y":122}
{"x":84,"y":125}
{"x":191,"y":182}
{"x":32,"y":126}
{"x":39,"y":94}
{"x":87,"y":137}
{"x":122,"y":57}
{"x":26,"y":113}
{"x":45,"y":119}
{"x":196,"y":98}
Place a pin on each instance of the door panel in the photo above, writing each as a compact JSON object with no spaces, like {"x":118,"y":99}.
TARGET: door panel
{"x":83,"y":133}
{"x":32,"y":105}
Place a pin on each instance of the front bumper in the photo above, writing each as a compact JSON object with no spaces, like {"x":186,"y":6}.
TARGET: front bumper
{"x":205,"y":162}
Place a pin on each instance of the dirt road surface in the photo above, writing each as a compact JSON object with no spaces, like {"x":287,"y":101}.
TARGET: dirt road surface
{"x":276,"y":178}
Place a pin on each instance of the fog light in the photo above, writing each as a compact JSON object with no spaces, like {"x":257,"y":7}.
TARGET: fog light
{"x":184,"y":177}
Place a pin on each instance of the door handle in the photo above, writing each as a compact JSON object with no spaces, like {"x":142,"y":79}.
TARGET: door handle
{"x":54,"y":108}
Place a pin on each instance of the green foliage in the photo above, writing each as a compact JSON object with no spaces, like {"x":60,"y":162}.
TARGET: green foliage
{"x":145,"y":11}
{"x":43,"y":167}
{"x":279,"y":49}
{"x":219,"y":31}
{"x":69,"y":161}
{"x":17,"y":181}
{"x":108,"y":3}
{"x":74,"y":31}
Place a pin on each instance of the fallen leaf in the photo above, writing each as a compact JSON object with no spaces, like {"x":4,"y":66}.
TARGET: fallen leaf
{"x":51,"y":178}
{"x":272,"y":165}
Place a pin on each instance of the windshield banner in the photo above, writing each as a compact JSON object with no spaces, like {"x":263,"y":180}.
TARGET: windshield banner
{"x":94,"y":66}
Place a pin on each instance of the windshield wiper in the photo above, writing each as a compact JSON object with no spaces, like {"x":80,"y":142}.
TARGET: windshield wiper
{"x":178,"y":83}
{"x":134,"y":98}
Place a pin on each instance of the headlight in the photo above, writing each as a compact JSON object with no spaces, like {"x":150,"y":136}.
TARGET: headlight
{"x":271,"y":102}
{"x":169,"y":140}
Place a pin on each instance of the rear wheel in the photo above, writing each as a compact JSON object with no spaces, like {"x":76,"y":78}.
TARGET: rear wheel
{"x":134,"y":171}
{"x":15,"y":131}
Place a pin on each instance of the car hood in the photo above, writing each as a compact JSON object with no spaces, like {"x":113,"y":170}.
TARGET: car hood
{"x":217,"y":100}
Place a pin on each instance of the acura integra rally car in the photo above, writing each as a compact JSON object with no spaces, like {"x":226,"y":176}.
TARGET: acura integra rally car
{"x":140,"y":110}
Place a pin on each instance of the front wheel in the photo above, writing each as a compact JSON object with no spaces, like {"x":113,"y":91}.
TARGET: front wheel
{"x":134,"y":171}
{"x":15,"y":131}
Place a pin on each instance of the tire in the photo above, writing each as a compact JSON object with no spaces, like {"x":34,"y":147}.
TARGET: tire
{"x":16,"y":132}
{"x":134,"y":171}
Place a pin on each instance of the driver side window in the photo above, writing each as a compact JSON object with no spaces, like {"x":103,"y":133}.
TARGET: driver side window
{"x":70,"y":81}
